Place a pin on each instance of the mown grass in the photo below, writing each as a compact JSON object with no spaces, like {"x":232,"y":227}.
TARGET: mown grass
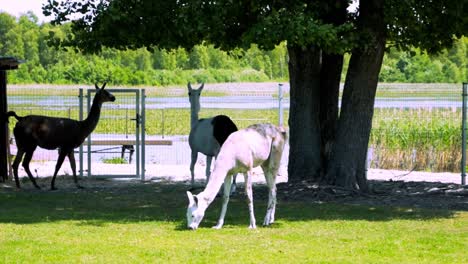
{"x":145,"y":223}
{"x":173,"y":121}
{"x":114,"y":160}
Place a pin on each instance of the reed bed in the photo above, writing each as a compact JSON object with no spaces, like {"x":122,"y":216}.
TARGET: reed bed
{"x":420,"y":138}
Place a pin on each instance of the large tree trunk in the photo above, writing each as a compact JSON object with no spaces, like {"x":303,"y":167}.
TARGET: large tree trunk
{"x":330,"y":77}
{"x":348,"y":161}
{"x":304,"y":129}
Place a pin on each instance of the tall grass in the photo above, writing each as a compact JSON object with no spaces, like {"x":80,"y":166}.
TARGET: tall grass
{"x":420,"y":138}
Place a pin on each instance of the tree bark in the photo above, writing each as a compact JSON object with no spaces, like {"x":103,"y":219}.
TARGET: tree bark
{"x":347,"y":167}
{"x":304,"y":129}
{"x":330,"y":77}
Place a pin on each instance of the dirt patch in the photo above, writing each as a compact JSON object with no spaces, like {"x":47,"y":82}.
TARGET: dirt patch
{"x":428,"y":195}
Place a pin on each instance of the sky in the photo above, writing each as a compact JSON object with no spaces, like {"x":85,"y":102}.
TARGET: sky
{"x":18,"y":7}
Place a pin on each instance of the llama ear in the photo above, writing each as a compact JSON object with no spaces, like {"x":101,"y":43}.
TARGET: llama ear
{"x":283,"y":131}
{"x":96,"y":86}
{"x":201,"y":87}
{"x":191,"y":199}
{"x":104,"y":85}
{"x":189,"y":87}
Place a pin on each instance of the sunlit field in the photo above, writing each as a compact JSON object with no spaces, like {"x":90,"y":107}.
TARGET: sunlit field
{"x":145,"y":223}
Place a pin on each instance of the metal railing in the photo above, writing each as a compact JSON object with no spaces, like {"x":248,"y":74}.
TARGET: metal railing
{"x":463,"y":159}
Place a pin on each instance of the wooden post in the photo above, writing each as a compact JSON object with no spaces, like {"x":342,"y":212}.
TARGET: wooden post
{"x":6,"y":63}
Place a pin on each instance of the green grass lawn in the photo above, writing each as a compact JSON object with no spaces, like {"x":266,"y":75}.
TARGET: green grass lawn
{"x":145,"y":223}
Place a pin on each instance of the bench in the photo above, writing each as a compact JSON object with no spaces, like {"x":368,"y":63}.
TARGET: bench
{"x":127,"y":144}
{"x":111,"y":142}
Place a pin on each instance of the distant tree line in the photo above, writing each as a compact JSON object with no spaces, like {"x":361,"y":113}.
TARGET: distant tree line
{"x":26,"y":39}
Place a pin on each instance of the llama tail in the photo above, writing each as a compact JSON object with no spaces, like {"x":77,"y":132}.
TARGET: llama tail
{"x":277,"y":144}
{"x":12,"y":113}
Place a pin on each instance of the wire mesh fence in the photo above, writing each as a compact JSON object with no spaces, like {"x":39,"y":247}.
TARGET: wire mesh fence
{"x":415,"y":126}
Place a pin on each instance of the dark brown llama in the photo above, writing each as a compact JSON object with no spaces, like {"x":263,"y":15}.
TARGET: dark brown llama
{"x":51,"y":133}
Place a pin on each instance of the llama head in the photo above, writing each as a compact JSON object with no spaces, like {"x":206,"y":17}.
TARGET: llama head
{"x":284,"y":131}
{"x":195,"y":211}
{"x":190,"y":89}
{"x":194,"y":97}
{"x":103,"y":95}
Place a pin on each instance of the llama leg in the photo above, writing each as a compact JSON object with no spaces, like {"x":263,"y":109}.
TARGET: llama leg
{"x":60,"y":160}
{"x":271,"y":207}
{"x":208,"y":167}
{"x":192,"y":165}
{"x":226,"y":193}
{"x":270,"y":169}
{"x":71,"y":158}
{"x":26,"y":161}
{"x":19,"y":156}
{"x":248,"y":191}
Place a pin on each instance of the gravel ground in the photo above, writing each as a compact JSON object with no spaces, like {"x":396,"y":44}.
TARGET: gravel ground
{"x":181,"y":172}
{"x":387,"y":187}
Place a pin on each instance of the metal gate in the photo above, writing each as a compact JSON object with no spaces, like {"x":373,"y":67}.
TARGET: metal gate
{"x":115,"y":149}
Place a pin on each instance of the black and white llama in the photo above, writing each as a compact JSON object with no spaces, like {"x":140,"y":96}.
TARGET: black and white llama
{"x":207,"y":135}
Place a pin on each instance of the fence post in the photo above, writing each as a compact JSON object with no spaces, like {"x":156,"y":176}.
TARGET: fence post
{"x":463,"y":158}
{"x":80,"y":106}
{"x":280,"y":104}
{"x":369,"y":158}
{"x":143,"y":134}
{"x":162,"y":122}
{"x":6,"y":63}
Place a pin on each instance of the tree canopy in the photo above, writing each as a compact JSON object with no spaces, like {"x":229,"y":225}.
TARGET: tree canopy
{"x":27,"y":40}
{"x":430,"y":25}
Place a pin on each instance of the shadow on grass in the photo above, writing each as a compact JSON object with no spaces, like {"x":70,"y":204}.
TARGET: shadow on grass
{"x":166,"y":202}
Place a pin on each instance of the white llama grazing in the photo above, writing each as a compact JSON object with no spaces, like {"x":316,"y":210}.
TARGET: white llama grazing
{"x":257,"y":145}
{"x":206,"y":135}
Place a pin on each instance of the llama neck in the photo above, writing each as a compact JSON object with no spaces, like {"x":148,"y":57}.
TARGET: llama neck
{"x":194,"y":116}
{"x":90,"y":123}
{"x":214,"y":184}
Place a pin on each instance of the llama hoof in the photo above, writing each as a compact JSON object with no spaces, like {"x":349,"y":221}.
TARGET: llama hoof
{"x":80,"y":187}
{"x":252,"y":227}
{"x":269,"y":219}
{"x":217,"y":227}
